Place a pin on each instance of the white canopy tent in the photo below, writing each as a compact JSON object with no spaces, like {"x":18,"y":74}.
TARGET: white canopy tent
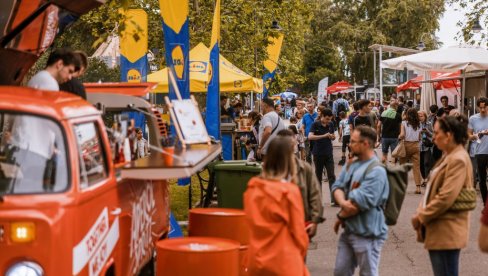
{"x":466,"y":58}
{"x":427,"y":96}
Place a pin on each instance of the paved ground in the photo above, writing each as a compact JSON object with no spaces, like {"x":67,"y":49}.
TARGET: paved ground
{"x":401,"y":255}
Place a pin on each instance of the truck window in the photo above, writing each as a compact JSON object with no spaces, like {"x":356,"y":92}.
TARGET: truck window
{"x":93,"y":166}
{"x":32,"y":155}
{"x":122,"y":130}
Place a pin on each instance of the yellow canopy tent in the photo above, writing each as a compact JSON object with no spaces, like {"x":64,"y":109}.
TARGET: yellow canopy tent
{"x":232,"y":79}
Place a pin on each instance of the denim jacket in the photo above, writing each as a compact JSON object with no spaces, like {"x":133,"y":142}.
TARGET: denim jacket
{"x":370,"y":196}
{"x":428,"y":126}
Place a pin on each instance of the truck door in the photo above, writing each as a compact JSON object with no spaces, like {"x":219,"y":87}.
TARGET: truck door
{"x":97,"y":224}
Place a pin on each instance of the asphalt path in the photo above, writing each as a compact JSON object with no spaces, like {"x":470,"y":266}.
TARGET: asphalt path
{"x":402,"y":255}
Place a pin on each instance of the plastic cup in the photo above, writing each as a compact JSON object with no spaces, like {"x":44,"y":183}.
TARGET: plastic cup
{"x":168,"y":155}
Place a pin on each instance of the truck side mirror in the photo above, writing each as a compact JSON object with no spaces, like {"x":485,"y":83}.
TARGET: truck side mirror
{"x":101,"y":107}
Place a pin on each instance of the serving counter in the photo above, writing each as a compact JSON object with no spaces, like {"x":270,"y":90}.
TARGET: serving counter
{"x":186,"y":163}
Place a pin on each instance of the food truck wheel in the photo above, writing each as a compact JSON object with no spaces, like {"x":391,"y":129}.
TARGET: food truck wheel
{"x":110,"y":271}
{"x":149,"y":268}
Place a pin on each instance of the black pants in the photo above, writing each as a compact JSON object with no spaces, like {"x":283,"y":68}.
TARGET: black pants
{"x":346,"y":139}
{"x":308,"y":150}
{"x":326,"y":161}
{"x":425,"y":163}
{"x":336,"y":123}
{"x":482,"y":160}
{"x":475,"y":171}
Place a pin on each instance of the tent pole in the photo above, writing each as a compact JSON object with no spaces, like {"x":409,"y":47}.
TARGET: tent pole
{"x":463,"y":92}
{"x":374,"y":68}
{"x":252,"y":100}
{"x":381,"y":75}
{"x":474,"y":105}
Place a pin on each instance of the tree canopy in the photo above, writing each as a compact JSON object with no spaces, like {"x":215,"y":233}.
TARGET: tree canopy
{"x":343,"y":30}
{"x":245,"y":27}
{"x":322,"y":37}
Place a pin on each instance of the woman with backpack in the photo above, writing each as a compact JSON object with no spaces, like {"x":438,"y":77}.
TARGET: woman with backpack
{"x":442,"y":218}
{"x":410,"y":134}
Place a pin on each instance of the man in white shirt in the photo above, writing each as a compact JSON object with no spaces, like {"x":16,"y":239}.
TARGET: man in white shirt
{"x":60,"y":67}
{"x":478,"y":133}
{"x":269,"y":126}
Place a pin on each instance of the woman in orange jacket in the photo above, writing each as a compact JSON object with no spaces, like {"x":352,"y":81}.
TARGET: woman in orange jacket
{"x":273,"y":206}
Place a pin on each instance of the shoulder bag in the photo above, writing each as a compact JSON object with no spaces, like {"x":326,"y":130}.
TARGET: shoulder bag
{"x":465,"y":201}
{"x":400,"y":150}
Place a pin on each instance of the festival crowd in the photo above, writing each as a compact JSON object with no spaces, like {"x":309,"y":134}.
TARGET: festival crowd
{"x":449,"y":157}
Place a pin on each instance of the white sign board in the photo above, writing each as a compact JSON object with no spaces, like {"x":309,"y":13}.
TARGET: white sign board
{"x":190,"y":122}
{"x":322,"y":92}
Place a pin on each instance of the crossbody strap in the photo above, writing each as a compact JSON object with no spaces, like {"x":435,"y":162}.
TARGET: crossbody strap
{"x":370,"y":167}
{"x":276,"y":125}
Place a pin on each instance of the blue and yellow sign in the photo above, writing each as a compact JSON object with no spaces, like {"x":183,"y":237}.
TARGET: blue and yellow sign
{"x":212,"y":118}
{"x":133,"y":46}
{"x":210,"y":73}
{"x":133,"y":75}
{"x":198,"y":66}
{"x":177,"y":43}
{"x":270,"y":65}
{"x":178,"y":61}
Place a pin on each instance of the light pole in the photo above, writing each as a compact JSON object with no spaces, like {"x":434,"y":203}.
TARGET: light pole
{"x":275,"y":27}
{"x":477,"y":26}
{"x":421,"y":45}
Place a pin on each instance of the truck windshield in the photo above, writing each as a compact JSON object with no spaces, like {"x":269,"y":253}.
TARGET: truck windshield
{"x":32,"y":155}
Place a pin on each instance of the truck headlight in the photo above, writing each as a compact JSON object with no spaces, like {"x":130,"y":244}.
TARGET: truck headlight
{"x":25,"y":269}
{"x":21,"y":232}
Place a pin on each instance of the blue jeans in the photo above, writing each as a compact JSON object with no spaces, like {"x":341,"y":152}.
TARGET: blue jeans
{"x":353,"y":251}
{"x":388,"y":143}
{"x":445,"y":262}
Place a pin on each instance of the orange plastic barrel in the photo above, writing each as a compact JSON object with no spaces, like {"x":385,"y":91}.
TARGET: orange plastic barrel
{"x":219,"y":222}
{"x":243,"y":259}
{"x":202,"y":256}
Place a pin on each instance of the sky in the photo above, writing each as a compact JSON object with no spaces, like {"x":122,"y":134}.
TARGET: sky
{"x":448,"y":29}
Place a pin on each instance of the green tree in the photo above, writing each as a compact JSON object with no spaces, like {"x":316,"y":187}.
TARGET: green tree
{"x":347,"y":28}
{"x":244,"y":31}
{"x":99,"y":71}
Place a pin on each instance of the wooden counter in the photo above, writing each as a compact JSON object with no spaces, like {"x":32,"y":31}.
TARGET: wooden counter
{"x":187,"y":163}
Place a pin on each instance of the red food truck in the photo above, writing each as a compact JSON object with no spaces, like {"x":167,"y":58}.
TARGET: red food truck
{"x":66,"y":206}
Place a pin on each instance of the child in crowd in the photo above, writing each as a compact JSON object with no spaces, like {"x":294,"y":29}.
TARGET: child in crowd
{"x":294,"y":129}
{"x":299,"y":137}
{"x":344,"y":135}
{"x":251,"y":157}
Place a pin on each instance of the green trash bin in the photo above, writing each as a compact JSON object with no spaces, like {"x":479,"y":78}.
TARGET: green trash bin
{"x":231,"y":179}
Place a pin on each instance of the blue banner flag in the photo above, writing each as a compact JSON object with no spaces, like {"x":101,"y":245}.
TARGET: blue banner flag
{"x":174,"y":227}
{"x":133,"y":46}
{"x":212,"y":115}
{"x":268,"y":78}
{"x":177,"y":44}
{"x":271,"y":64}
